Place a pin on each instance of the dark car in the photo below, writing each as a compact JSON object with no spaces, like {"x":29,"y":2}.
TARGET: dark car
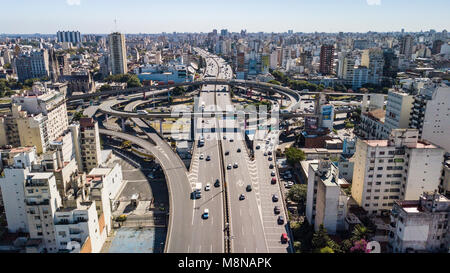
{"x":227,"y":152}
{"x":276,"y":210}
{"x":249,"y":188}
{"x":274,"y":198}
{"x":239,"y":150}
{"x":258,"y":147}
{"x":269,"y":153}
{"x":271,"y":166}
{"x":241,"y":197}
{"x":208,"y":158}
{"x":280,"y":220}
{"x":217,"y":183}
{"x":273,"y":181}
{"x":270,"y":158}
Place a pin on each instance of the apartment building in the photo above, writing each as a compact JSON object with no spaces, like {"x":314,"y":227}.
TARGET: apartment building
{"x":79,"y":226}
{"x":430,"y":114}
{"x":420,"y":225}
{"x":16,"y":165}
{"x":118,"y":53}
{"x":400,"y":168}
{"x":90,"y":149}
{"x":32,"y":65}
{"x":373,"y":59}
{"x":42,"y":201}
{"x":326,"y":201}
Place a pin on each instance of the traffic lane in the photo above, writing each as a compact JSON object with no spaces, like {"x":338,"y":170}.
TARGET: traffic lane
{"x":212,"y":200}
{"x":273,"y":229}
{"x":245,"y":215}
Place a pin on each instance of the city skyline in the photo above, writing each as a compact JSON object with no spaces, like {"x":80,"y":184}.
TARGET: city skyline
{"x":254,"y":16}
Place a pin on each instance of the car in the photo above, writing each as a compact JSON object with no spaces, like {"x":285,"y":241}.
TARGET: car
{"x":229,"y":166}
{"x":227,"y":152}
{"x":224,"y":137}
{"x":267,"y":141}
{"x":273,"y":181}
{"x":208,"y":158}
{"x":265,"y":153}
{"x":239,"y":150}
{"x":231,"y":140}
{"x":205,"y":214}
{"x":207,"y":187}
{"x":241,"y":197}
{"x":270,"y":158}
{"x":235,"y":165}
{"x":217,"y":183}
{"x":258,"y":147}
{"x":203,"y":121}
{"x":272,"y":173}
{"x":249,"y":188}
{"x":276,"y":210}
{"x":280,"y":220}
{"x":271,"y":166}
{"x":201,"y":156}
{"x":284,"y":238}
{"x":274,"y":198}
{"x":269,"y":153}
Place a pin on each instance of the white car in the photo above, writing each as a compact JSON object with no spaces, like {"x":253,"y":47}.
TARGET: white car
{"x":207,"y":187}
{"x":202,"y":156}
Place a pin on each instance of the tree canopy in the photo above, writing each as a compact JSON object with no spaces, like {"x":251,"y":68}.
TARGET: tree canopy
{"x":294,"y":155}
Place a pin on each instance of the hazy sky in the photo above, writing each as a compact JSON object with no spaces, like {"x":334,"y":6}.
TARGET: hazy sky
{"x":156,"y":16}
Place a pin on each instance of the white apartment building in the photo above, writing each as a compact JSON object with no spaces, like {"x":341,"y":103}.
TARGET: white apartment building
{"x":326,"y":202}
{"x":42,"y":200}
{"x":420,"y":225}
{"x":431,"y":115}
{"x":400,"y":168}
{"x":16,"y":165}
{"x":398,"y":110}
{"x":111,"y":179}
{"x":79,"y":225}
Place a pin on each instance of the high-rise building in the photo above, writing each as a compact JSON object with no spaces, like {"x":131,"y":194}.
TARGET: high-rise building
{"x":326,"y":59}
{"x":430,"y":114}
{"x":91,"y":156}
{"x":73,"y":37}
{"x":118,"y":53}
{"x":32,"y":65}
{"x":406,"y":45}
{"x":374,"y":61}
{"x":420,"y":225}
{"x":400,"y":168}
{"x":398,"y":110}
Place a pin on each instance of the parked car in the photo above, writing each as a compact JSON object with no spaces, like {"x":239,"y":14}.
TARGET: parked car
{"x":276,"y":210}
{"x":280,"y":220}
{"x":249,"y":188}
{"x":284,"y":238}
{"x":274,"y":198}
{"x":273,"y":181}
{"x":208,"y":158}
{"x":241,"y":197}
{"x":271,"y":166}
{"x":217,"y":183}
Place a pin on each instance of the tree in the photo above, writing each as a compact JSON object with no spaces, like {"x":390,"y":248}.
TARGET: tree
{"x":275,"y":82}
{"x":298,"y":193}
{"x":360,"y":232}
{"x":320,"y":238}
{"x":178,"y":91}
{"x":326,"y":249}
{"x":294,"y":155}
{"x":105,"y":87}
{"x":297,"y":246}
{"x":77,"y":116}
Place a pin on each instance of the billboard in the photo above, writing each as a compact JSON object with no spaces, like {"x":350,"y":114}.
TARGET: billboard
{"x":311,"y":123}
{"x":327,"y":111}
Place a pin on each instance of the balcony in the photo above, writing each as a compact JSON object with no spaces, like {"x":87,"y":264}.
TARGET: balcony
{"x":37,"y":203}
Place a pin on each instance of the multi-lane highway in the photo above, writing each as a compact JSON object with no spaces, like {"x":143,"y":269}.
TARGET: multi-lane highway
{"x":253,"y":224}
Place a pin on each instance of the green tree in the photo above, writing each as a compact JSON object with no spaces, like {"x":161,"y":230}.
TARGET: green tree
{"x":105,"y":87}
{"x":360,"y":232}
{"x":275,"y":82}
{"x":320,"y":238}
{"x":297,"y":246}
{"x":326,"y":249}
{"x":298,"y":193}
{"x":294,"y":155}
{"x":77,"y":116}
{"x":178,"y":91}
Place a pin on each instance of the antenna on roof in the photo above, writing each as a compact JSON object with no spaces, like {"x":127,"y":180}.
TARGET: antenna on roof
{"x":115,"y":25}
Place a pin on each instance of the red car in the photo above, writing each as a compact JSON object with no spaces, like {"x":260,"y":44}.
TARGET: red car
{"x":274,"y":180}
{"x":284,"y":238}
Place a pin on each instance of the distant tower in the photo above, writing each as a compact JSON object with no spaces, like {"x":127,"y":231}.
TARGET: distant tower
{"x":406,"y":44}
{"x":118,"y":53}
{"x":326,"y":59}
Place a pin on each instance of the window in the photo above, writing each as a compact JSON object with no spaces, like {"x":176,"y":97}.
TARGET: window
{"x":379,"y":175}
{"x":380,"y":168}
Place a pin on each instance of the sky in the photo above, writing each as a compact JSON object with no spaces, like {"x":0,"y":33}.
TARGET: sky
{"x":156,"y":16}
